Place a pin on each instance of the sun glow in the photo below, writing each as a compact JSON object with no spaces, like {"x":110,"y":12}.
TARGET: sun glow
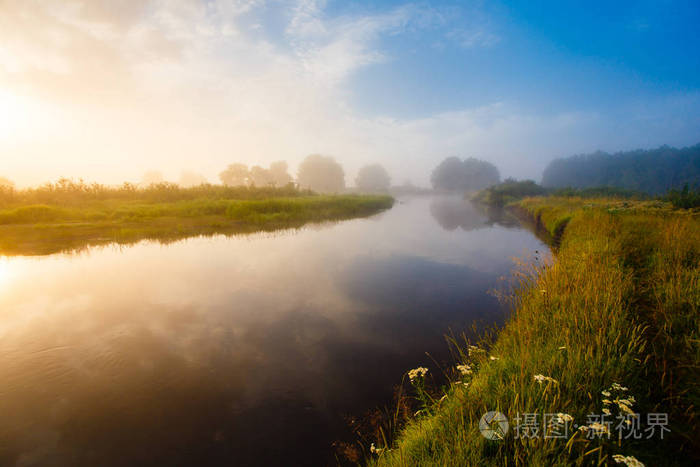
{"x":15,"y":115}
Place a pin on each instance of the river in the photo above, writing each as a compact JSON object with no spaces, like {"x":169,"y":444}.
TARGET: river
{"x":244,"y":350}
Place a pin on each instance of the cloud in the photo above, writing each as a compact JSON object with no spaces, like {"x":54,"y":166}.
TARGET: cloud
{"x":470,"y":38}
{"x":106,"y":90}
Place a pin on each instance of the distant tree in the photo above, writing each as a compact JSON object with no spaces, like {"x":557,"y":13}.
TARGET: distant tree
{"x":373,"y":178}
{"x":189,"y":179}
{"x":472,"y":174}
{"x":152,"y":177}
{"x":260,"y":176}
{"x":7,"y":189}
{"x":235,"y":175}
{"x":321,"y":173}
{"x":6,"y":183}
{"x":652,"y":171}
{"x":279,"y":173}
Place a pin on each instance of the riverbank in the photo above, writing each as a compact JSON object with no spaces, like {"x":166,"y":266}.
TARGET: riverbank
{"x":609,"y":328}
{"x":34,"y":229}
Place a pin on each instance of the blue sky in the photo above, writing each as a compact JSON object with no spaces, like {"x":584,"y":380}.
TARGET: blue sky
{"x":116,"y":89}
{"x":544,"y":55}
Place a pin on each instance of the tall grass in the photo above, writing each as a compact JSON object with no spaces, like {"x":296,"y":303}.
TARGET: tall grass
{"x":69,"y":192}
{"x":618,"y":304}
{"x":70,"y":215}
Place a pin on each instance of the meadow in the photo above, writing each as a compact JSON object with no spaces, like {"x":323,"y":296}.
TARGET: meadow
{"x":602,"y":337}
{"x":72,"y":215}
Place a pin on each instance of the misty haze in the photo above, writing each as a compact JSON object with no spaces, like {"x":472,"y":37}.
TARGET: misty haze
{"x":324,"y":233}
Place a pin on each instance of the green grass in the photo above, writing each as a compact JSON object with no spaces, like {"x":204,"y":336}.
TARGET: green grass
{"x":618,"y":304}
{"x":48,"y":228}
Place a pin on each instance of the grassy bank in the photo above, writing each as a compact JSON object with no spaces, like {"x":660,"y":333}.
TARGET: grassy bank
{"x":609,"y":327}
{"x":70,"y":221}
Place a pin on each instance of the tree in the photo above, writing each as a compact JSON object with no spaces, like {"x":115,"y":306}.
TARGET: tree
{"x":235,"y":175}
{"x":373,"y":178}
{"x":653,"y":171}
{"x":190,"y":179}
{"x":6,"y":184}
{"x":260,"y":176}
{"x":322,"y":174}
{"x":280,"y":176}
{"x":472,"y":174}
{"x":152,"y":177}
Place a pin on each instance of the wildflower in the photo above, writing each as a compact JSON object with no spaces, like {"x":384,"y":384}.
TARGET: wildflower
{"x":417,"y":373}
{"x":375,"y":450}
{"x":492,"y":358}
{"x":475,"y":350}
{"x":597,"y":427}
{"x":626,"y":409}
{"x":563,"y":347}
{"x":606,"y":411}
{"x":562,"y":418}
{"x":607,"y":401}
{"x":542,"y":378}
{"x":464,"y":369}
{"x":566,"y":417}
{"x":465,"y":384}
{"x":629,"y":461}
{"x":605,"y":393}
{"x":617,"y":387}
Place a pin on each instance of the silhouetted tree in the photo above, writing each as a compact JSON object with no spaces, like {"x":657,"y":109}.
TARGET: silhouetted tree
{"x":152,"y":177}
{"x":6,"y":183}
{"x":235,"y":175}
{"x":189,"y":179}
{"x":652,"y":171}
{"x":321,"y":173}
{"x":280,"y":176}
{"x":472,"y":174}
{"x":373,"y":178}
{"x":260,"y":176}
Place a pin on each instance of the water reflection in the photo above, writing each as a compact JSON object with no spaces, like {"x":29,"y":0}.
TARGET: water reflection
{"x":454,"y":212}
{"x":245,"y":350}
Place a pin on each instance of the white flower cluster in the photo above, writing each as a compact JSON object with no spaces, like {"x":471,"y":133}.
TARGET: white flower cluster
{"x":545,"y":379}
{"x":416,"y":373}
{"x":595,"y":427}
{"x":464,"y":369}
{"x":629,"y":461}
{"x":375,"y":450}
{"x":561,"y":419}
{"x":623,"y":403}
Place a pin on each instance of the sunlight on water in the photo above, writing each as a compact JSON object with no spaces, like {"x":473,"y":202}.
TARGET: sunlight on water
{"x":208,"y":346}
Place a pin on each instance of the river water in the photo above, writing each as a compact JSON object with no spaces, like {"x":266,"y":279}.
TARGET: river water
{"x":245,"y":350}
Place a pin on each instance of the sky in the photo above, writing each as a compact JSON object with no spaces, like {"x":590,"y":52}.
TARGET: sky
{"x":106,"y":90}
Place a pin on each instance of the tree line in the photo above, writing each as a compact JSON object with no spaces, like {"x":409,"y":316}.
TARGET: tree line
{"x":653,"y":171}
{"x":319,"y":173}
